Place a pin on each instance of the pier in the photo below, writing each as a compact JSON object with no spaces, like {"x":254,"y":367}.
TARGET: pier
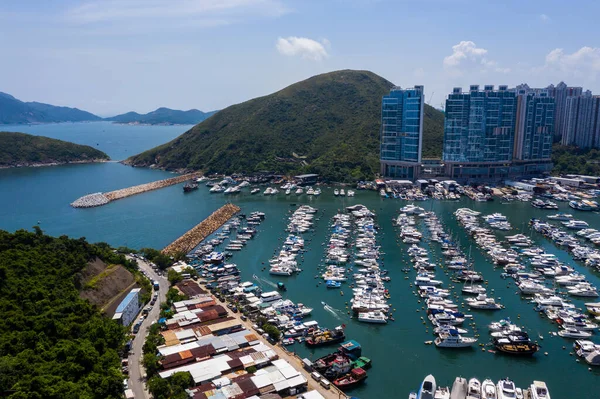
{"x":196,"y":234}
{"x":99,"y":199}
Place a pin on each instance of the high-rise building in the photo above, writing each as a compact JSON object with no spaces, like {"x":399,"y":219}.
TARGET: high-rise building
{"x":479,"y":132}
{"x":534,"y":124}
{"x":560,"y":93}
{"x":401,"y":132}
{"x":581,"y":120}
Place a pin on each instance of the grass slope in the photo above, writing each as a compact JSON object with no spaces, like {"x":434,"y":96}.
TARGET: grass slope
{"x":25,"y":149}
{"x":328,"y":124}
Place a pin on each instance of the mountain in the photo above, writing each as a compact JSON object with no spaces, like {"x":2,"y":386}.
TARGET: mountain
{"x":163,"y":116}
{"x":20,"y":149}
{"x":14,"y":111}
{"x":328,"y":124}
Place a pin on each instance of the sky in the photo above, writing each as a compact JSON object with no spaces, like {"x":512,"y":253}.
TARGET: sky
{"x":114,"y":56}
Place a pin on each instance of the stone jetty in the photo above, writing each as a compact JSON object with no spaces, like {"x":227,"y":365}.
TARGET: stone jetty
{"x":198,"y":233}
{"x":98,"y":199}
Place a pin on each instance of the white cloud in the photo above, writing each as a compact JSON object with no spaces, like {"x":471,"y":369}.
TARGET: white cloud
{"x":98,"y":11}
{"x":583,"y":62}
{"x":303,"y":47}
{"x":545,"y":18}
{"x":465,"y":50}
{"x":468,"y":55}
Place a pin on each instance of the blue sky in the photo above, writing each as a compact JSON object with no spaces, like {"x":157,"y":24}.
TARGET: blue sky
{"x":112,"y":56}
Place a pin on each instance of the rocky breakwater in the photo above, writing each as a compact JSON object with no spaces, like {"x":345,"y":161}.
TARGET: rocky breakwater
{"x":90,"y":200}
{"x":98,"y":199}
{"x":198,"y":233}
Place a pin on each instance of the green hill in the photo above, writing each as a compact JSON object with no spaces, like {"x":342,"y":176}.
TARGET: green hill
{"x":20,"y":149}
{"x":14,"y":111}
{"x":163,"y":116}
{"x":328,"y":124}
{"x":53,"y":343}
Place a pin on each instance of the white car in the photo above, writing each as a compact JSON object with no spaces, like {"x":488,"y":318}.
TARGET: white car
{"x":125,"y":384}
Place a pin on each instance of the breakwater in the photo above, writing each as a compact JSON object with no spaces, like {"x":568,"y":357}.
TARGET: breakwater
{"x":196,"y":234}
{"x":98,"y":199}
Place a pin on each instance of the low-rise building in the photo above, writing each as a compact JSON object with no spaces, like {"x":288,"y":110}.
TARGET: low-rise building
{"x":129,"y":308}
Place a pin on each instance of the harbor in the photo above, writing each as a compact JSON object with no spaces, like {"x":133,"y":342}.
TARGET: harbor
{"x":395,"y":348}
{"x":99,"y":199}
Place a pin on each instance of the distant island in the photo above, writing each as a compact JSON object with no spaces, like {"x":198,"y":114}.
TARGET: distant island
{"x":16,"y":112}
{"x":20,"y":149}
{"x":163,"y":116}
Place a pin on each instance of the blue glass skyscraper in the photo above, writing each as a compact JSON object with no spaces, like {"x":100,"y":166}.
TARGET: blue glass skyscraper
{"x":401,"y":132}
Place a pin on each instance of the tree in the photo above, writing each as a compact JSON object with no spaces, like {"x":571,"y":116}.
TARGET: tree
{"x":273,"y":331}
{"x":150,"y":362}
{"x":180,"y":382}
{"x":159,"y":388}
{"x":174,"y":277}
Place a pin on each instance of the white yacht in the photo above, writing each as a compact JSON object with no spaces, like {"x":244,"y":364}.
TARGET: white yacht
{"x":454,"y":340}
{"x":576,"y":224}
{"x":310,"y":191}
{"x":483,"y":302}
{"x":288,"y":191}
{"x":336,"y":192}
{"x":372,"y":317}
{"x":442,"y":393}
{"x":539,"y":390}
{"x":254,"y":191}
{"x":427,"y":389}
{"x":342,"y":193}
{"x":506,"y":389}
{"x":317,"y":192}
{"x":574,"y":333}
{"x":299,"y":191}
{"x":561,"y":216}
{"x":488,"y":390}
{"x":474,"y":389}
{"x":350,"y":193}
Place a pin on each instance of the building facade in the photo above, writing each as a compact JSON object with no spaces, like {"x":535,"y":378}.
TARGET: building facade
{"x":560,"y":93}
{"x":535,"y":123}
{"x":129,"y":308}
{"x":582,"y":122}
{"x":479,"y":132}
{"x":401,"y":132}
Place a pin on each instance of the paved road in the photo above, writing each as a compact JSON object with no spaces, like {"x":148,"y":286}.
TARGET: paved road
{"x":136,"y":375}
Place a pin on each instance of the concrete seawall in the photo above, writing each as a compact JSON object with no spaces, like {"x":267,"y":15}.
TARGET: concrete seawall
{"x":98,"y":199}
{"x":196,"y":234}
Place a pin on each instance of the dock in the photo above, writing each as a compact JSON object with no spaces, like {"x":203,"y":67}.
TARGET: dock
{"x":198,"y":233}
{"x":99,"y":199}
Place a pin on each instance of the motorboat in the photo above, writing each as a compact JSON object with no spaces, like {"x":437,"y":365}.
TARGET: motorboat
{"x":288,"y":191}
{"x":427,"y":389}
{"x":342,"y":193}
{"x":593,"y":308}
{"x":350,"y":193}
{"x":299,"y":191}
{"x":442,"y":393}
{"x":255,"y":191}
{"x":482,"y":302}
{"x":459,"y":388}
{"x":372,"y":317}
{"x":454,"y":340}
{"x":506,"y":389}
{"x":336,"y":192}
{"x":474,"y":389}
{"x":561,"y":216}
{"x":488,"y":390}
{"x":539,"y":390}
{"x":574,"y":333}
{"x":576,"y":224}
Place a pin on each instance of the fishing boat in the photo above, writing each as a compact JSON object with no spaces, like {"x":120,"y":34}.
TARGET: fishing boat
{"x":327,"y":337}
{"x":190,"y":186}
{"x":350,"y":380}
{"x":427,"y":389}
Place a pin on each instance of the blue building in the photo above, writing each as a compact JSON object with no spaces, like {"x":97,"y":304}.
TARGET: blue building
{"x":401,"y":132}
{"x":479,"y":132}
{"x":536,"y":115}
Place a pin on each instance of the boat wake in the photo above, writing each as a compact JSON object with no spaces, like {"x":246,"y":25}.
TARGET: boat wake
{"x":262,"y":280}
{"x":335,"y":312}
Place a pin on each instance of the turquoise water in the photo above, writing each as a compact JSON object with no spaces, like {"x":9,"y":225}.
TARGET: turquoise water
{"x":400,"y":358}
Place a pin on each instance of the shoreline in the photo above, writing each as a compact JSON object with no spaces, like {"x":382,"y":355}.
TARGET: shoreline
{"x":46,"y":164}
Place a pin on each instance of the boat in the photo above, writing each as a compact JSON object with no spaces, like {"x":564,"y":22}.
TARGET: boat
{"x":190,"y":186}
{"x":539,"y":390}
{"x":281,"y":286}
{"x":342,"y":193}
{"x":593,"y":308}
{"x":350,"y":193}
{"x":488,"y":390}
{"x":576,"y":224}
{"x":255,"y":191}
{"x":516,"y":343}
{"x":327,"y":337}
{"x":353,"y":378}
{"x":459,"y":388}
{"x":574,"y":333}
{"x":299,"y":191}
{"x":288,"y":191}
{"x":427,"y":389}
{"x":561,"y":216}
{"x":362,"y":362}
{"x":506,"y":389}
{"x":442,"y":393}
{"x":336,"y":192}
{"x":454,"y":340}
{"x":372,"y":317}
{"x":333,"y":284}
{"x":474,"y":389}
{"x":288,"y":341}
{"x":581,"y":206}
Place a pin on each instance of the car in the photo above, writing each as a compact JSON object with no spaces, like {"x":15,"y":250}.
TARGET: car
{"x":125,"y":384}
{"x":230,"y":305}
{"x":125,"y":370}
{"x":142,"y":318}
{"x":244,"y":318}
{"x":234,"y":309}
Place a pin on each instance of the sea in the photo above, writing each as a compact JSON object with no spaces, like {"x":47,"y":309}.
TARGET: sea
{"x":401,"y":359}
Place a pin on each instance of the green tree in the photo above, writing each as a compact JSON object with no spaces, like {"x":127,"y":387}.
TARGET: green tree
{"x":174,"y":277}
{"x":159,"y":388}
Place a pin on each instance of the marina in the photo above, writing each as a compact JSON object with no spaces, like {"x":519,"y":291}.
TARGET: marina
{"x":393,"y":347}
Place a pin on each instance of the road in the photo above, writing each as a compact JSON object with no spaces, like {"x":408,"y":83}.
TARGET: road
{"x":136,"y":375}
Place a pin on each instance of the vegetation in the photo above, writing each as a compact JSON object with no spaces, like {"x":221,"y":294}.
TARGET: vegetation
{"x":273,"y":331}
{"x":172,"y":387}
{"x":53,"y":343}
{"x":163,"y":116}
{"x":13,"y":111}
{"x":161,"y":260}
{"x":571,"y":159}
{"x":151,"y":358}
{"x":174,"y":277}
{"x":18,"y":149}
{"x":328,"y":124}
